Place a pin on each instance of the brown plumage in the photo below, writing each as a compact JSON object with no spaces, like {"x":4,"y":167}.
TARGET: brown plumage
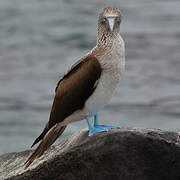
{"x":71,"y":93}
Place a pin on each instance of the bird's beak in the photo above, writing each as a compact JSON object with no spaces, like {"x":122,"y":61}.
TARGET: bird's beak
{"x":111,"y":21}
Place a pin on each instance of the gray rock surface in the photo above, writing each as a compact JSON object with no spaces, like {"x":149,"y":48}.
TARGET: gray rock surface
{"x":123,"y":154}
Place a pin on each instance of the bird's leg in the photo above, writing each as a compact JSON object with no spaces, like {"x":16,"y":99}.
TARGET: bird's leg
{"x":90,"y":122}
{"x":96,"y":123}
{"x":92,"y":129}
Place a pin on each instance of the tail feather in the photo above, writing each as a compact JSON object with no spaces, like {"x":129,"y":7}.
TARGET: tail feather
{"x":46,"y":142}
{"x":39,"y":138}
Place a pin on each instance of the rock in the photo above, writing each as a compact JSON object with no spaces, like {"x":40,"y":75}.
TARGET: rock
{"x":123,"y":154}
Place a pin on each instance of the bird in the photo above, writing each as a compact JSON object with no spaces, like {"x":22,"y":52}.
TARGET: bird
{"x":89,"y":84}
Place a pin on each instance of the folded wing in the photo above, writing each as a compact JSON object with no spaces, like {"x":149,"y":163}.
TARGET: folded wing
{"x":72,"y":92}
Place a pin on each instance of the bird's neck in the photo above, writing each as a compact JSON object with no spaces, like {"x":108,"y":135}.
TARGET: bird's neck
{"x":107,"y":40}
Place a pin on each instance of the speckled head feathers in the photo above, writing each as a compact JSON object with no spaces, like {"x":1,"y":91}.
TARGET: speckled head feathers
{"x":110,"y":11}
{"x":108,"y":25}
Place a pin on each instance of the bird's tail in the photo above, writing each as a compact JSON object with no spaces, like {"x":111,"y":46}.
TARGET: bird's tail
{"x":45,"y":143}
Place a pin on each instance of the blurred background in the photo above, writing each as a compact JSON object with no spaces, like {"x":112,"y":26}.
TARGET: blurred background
{"x":41,"y":39}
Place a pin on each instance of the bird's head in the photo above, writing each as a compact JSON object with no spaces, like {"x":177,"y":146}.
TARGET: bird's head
{"x":108,"y":26}
{"x":109,"y":20}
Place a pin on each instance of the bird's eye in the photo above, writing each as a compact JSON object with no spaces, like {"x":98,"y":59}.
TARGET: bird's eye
{"x":103,"y":21}
{"x":118,"y":20}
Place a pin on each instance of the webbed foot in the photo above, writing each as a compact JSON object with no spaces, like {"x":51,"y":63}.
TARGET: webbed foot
{"x":95,"y":130}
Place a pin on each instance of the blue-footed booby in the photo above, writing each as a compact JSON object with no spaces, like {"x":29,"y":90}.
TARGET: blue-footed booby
{"x":88,"y":86}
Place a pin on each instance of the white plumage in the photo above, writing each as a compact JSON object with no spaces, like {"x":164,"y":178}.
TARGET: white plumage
{"x":112,"y":63}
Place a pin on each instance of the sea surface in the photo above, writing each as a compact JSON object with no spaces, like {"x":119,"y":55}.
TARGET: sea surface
{"x":41,"y":39}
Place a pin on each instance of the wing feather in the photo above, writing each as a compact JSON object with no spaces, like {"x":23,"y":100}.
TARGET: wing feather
{"x":72,"y":91}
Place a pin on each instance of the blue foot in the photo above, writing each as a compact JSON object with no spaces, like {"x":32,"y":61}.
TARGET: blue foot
{"x":105,"y":126}
{"x":95,"y":130}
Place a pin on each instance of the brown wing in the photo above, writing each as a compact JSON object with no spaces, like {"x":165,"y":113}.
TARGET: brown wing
{"x":73,"y":69}
{"x":72,"y":91}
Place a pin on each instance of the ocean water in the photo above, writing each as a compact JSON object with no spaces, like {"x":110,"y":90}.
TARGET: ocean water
{"x":41,"y":39}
